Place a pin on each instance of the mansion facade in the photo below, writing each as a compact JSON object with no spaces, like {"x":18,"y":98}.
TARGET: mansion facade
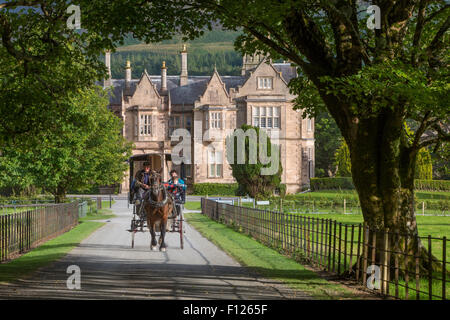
{"x":210,"y":108}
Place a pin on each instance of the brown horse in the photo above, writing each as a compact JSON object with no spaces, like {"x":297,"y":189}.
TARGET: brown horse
{"x":158,"y":204}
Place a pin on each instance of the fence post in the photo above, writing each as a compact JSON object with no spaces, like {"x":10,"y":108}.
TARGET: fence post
{"x":444,"y":265}
{"x":430,"y":270}
{"x":334,"y":246}
{"x":358,"y":256}
{"x":417,"y":268}
{"x":365,"y":253}
{"x":339,"y":248}
{"x":351,"y":249}
{"x":99,"y":203}
{"x":385,"y":275}
{"x":406,"y":268}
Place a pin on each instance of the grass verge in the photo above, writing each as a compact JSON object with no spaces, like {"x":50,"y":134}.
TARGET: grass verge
{"x":193,"y":205}
{"x":266,"y":261}
{"x":48,"y":252}
{"x":98,"y":215}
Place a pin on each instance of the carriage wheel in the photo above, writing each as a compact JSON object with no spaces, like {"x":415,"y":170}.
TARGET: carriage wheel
{"x":180,"y":228}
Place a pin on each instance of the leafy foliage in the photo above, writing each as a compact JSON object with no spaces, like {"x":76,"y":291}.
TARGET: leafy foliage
{"x":327,"y":137}
{"x":81,"y":149}
{"x":226,"y":189}
{"x":424,"y":166}
{"x":248,"y":176}
{"x":342,"y":160}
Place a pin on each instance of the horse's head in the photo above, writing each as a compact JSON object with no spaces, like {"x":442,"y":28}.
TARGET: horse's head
{"x":155,"y":181}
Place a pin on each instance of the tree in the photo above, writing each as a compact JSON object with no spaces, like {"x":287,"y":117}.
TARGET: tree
{"x":343,"y":163}
{"x":81,"y":149}
{"x":327,"y":142}
{"x":248,"y":175}
{"x":424,"y":166}
{"x":370,"y":81}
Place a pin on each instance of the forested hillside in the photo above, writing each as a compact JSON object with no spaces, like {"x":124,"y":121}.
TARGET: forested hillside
{"x":214,"y":48}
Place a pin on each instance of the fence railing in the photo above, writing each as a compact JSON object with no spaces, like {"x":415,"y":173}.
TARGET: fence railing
{"x":19,"y":232}
{"x":391,"y":264}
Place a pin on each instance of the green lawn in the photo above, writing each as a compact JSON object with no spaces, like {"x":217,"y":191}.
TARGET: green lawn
{"x":193,"y":205}
{"x":98,"y":215}
{"x":266,"y":261}
{"x":46,"y":253}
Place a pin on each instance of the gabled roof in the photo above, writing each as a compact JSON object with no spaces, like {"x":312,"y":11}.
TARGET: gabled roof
{"x":195,"y":88}
{"x":189,"y":93}
{"x":288,"y":72}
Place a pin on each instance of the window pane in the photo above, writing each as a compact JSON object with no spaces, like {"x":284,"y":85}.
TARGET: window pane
{"x":270,"y":83}
{"x":263,"y":111}
{"x":255,"y":111}
{"x":269,"y":111}
{"x":218,"y":157}
{"x":212,"y":172}
{"x":177,"y":121}
{"x":263,"y":122}
{"x":277,"y":112}
{"x":269,"y":122}
{"x":188,"y":121}
{"x":219,"y":170}
{"x":256,"y":121}
{"x":276,"y":122}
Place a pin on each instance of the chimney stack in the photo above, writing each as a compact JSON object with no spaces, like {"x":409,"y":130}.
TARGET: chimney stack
{"x":107,"y":82}
{"x":184,"y":71}
{"x":128,"y":74}
{"x":163,"y":77}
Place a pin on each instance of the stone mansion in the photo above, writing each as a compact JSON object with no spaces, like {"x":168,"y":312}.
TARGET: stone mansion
{"x":210,"y":108}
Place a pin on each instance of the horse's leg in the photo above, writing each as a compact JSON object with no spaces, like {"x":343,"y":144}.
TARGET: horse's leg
{"x":153,"y":234}
{"x":162,"y":246}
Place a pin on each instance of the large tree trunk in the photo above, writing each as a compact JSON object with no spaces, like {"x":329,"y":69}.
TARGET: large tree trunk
{"x":383,"y":165}
{"x":60,"y":194}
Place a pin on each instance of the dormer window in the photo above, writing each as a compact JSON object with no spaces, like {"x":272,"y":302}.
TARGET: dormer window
{"x":265,"y":83}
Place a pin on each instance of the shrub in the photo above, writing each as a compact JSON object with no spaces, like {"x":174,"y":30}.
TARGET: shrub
{"x":432,"y":185}
{"x":226,"y":189}
{"x":344,"y":183}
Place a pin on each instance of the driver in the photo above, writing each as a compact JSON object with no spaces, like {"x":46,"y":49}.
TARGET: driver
{"x":142,"y":179}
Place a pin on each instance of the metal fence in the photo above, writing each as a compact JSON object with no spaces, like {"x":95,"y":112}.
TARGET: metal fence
{"x":19,"y":232}
{"x":377,"y":259}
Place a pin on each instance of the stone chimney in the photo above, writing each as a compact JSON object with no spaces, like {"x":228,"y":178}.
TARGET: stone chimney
{"x":184,"y":70}
{"x":107,"y":82}
{"x":128,"y":74}
{"x":163,"y":77}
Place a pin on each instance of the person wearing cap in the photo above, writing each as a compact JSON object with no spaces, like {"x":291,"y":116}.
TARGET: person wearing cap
{"x":142,"y":180}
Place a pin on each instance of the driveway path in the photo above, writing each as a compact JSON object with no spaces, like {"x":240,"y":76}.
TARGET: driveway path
{"x":110,"y":269}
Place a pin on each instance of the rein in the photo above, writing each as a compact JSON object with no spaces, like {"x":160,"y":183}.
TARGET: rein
{"x":157,"y":204}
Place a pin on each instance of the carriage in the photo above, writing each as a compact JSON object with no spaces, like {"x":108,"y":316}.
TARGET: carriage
{"x":139,"y":219}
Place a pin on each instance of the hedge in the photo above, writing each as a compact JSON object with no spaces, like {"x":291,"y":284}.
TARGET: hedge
{"x":225,"y":189}
{"x":432,"y":185}
{"x":346,"y":183}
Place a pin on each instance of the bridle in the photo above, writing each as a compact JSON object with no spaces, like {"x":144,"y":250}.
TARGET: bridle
{"x":155,"y":188}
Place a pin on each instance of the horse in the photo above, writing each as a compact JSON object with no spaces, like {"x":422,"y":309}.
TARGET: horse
{"x":157,"y":204}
